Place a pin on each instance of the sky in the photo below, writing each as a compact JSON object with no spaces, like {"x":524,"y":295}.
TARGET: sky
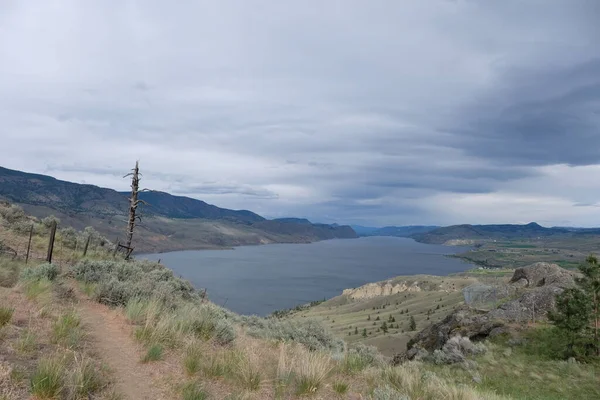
{"x":367,"y":112}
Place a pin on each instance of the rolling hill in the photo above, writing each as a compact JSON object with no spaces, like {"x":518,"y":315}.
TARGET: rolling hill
{"x":398,"y":231}
{"x":492,"y":232}
{"x":169,"y":222}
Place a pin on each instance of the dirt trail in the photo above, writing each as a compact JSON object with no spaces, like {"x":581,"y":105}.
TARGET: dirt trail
{"x":111,"y":337}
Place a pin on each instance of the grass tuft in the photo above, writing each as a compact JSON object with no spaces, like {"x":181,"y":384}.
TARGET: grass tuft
{"x":340,"y":388}
{"x":312,"y":371}
{"x":191,"y":361}
{"x":47,"y":381}
{"x":26,"y":342}
{"x":66,"y":330}
{"x":193,"y":391}
{"x":5,"y":315}
{"x":86,"y":379}
{"x":154,"y":353}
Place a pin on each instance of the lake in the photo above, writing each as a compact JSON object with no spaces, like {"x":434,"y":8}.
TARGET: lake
{"x":262,"y":279}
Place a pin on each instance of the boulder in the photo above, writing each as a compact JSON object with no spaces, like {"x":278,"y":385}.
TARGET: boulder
{"x":543,"y":274}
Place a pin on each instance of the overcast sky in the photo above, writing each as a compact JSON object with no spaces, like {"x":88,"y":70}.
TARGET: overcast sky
{"x":351,"y":111}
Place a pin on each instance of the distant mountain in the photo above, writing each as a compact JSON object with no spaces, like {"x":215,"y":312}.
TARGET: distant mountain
{"x":170,"y":206}
{"x":487,"y":232}
{"x":302,"y":221}
{"x":398,"y":231}
{"x":169,"y":222}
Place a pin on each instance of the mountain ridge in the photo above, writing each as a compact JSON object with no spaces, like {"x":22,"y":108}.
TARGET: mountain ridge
{"x":169,"y":222}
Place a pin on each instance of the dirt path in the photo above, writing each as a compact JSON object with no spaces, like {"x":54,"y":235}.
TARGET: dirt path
{"x":111,"y":337}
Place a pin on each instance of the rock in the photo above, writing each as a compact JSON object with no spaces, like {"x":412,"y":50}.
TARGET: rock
{"x":371,"y":290}
{"x":477,"y":378}
{"x":572,"y":360}
{"x":543,"y":274}
{"x":462,"y":322}
{"x":539,"y":284}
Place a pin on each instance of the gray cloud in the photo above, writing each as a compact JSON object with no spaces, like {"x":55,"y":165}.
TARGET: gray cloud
{"x":378,"y":113}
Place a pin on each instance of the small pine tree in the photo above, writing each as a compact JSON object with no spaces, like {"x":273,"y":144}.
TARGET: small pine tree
{"x":377,"y":319}
{"x":384,"y":327}
{"x":393,"y":319}
{"x":374,"y":323}
{"x":364,"y":332}
{"x":369,"y":317}
{"x":572,"y":315}
{"x":591,"y":285}
{"x":356,"y":330}
{"x":438,"y":307}
{"x":413,"y":323}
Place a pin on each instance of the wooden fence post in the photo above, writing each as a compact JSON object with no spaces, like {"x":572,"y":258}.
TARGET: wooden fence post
{"x":51,"y":243}
{"x":29,"y":245}
{"x":87,"y":243}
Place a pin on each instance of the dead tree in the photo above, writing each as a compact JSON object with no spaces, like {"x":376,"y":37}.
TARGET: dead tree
{"x":134,"y":201}
{"x":51,"y":242}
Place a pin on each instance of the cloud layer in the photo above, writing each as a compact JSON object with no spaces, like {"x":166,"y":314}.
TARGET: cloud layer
{"x":377,"y":113}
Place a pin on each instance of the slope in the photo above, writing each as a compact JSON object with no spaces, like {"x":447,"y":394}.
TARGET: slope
{"x":169,"y":222}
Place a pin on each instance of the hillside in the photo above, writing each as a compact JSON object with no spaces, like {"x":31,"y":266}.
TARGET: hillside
{"x":398,"y":231}
{"x":477,"y":233}
{"x":169,"y":222}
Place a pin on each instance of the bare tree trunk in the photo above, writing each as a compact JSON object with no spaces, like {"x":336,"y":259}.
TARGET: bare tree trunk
{"x":51,"y":242}
{"x":87,"y":243}
{"x":133,"y":203}
{"x":29,"y":244}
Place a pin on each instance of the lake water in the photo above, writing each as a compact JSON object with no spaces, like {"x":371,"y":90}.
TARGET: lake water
{"x":262,"y":279}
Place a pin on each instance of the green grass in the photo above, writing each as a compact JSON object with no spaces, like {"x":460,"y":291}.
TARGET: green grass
{"x":154,"y":353}
{"x":9,"y":273}
{"x":192,"y":360}
{"x":47,"y":381}
{"x":66,"y":330}
{"x":340,"y":388}
{"x":39,"y":290}
{"x":86,"y":379}
{"x":524,"y":373}
{"x":193,"y":391}
{"x":5,"y":315}
{"x":26,"y":342}
{"x":248,"y":375}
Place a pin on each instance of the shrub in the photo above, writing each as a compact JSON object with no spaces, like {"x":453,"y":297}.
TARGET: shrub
{"x":120,"y":281}
{"x":9,"y":273}
{"x":44,"y":271}
{"x":309,"y":332}
{"x":224,"y":332}
{"x":49,"y":220}
{"x":47,"y":381}
{"x":361,"y":357}
{"x":12,"y":214}
{"x":456,"y":349}
{"x":154,"y":353}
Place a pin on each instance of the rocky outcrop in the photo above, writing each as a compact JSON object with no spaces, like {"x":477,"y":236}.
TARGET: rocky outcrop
{"x":371,"y":290}
{"x":543,"y":274}
{"x":538,"y":285}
